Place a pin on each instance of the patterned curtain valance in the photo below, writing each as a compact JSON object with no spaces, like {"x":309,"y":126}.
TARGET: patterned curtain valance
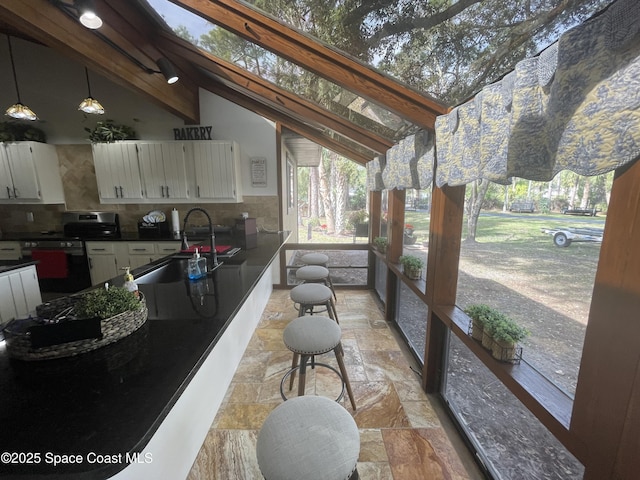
{"x":410,"y":162}
{"x":574,"y":107}
{"x":374,"y":173}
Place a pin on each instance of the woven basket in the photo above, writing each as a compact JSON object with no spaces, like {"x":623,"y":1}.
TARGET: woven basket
{"x":113,"y":329}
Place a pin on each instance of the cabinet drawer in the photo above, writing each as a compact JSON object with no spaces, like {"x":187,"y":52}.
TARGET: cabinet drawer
{"x":140,"y":248}
{"x":167,"y":248}
{"x":100,"y":248}
{"x":9,"y":250}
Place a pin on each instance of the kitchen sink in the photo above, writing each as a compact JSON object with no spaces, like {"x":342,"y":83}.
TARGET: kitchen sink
{"x":173,"y":271}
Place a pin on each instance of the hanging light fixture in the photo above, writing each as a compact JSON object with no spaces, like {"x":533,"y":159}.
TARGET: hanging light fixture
{"x":90,"y":104}
{"x":166,"y":68}
{"x":18,"y":110}
{"x":88,"y":16}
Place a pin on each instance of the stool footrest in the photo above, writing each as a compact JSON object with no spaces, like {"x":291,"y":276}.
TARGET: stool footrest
{"x":314,"y":364}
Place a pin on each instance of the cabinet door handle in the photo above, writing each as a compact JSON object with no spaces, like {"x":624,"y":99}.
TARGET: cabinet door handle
{"x":15,"y":192}
{"x":162,"y":190}
{"x":8,"y":192}
{"x":121,"y":194}
{"x":198,"y":190}
{"x":98,"y":249}
{"x":139,"y":249}
{"x":168,"y":191}
{"x":90,"y":264}
{"x":116,"y":190}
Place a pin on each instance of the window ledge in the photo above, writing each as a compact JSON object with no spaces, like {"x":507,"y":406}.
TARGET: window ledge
{"x":550,"y":404}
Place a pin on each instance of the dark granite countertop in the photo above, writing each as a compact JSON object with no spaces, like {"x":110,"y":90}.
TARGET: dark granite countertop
{"x":112,"y":400}
{"x":8,"y":265}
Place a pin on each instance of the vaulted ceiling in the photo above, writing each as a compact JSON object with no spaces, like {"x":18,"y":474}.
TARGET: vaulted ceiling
{"x":126,"y":49}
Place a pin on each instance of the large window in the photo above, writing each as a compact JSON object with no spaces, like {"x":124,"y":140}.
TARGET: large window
{"x":514,"y":266}
{"x":510,"y":441}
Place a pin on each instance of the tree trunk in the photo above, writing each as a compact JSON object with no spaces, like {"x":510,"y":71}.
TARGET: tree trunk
{"x":584,"y":203}
{"x":313,"y":193}
{"x":478,"y":192}
{"x":325,"y":195}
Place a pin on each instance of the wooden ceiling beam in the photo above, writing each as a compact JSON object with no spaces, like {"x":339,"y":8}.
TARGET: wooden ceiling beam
{"x":272,"y":114}
{"x":285,"y":100}
{"x":42,"y":21}
{"x":302,"y":50}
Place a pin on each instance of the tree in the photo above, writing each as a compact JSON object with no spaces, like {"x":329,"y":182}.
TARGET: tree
{"x":475,"y":198}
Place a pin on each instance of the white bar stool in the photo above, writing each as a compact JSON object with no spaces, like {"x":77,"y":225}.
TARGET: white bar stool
{"x":307,"y":337}
{"x":315,"y":274}
{"x":310,"y":438}
{"x":318,"y":259}
{"x":310,"y":295}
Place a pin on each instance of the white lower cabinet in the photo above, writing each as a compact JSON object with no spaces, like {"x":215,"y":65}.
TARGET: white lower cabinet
{"x":19,"y":293}
{"x":105,"y":260}
{"x":9,"y":250}
{"x":108,"y":259}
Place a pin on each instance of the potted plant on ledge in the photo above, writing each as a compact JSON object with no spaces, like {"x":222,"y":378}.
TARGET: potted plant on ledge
{"x":506,"y":336}
{"x":412,"y":266}
{"x":380,"y":244}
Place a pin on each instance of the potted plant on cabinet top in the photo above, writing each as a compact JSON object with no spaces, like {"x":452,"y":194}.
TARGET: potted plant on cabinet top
{"x":412,"y":266}
{"x":381,"y":243}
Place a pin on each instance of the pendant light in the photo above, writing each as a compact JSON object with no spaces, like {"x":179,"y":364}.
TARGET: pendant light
{"x":18,"y":110}
{"x":90,"y":104}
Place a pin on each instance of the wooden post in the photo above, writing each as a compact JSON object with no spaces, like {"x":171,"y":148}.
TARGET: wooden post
{"x":395,"y":229}
{"x":606,"y":410}
{"x":445,"y":232}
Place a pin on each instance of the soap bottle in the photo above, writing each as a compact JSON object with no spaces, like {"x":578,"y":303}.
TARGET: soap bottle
{"x":197,"y":267}
{"x":129,"y":283}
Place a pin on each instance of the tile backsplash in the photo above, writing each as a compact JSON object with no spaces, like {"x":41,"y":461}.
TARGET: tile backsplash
{"x":81,"y":193}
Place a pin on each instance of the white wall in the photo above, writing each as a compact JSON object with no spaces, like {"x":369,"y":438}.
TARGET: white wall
{"x":255,"y":134}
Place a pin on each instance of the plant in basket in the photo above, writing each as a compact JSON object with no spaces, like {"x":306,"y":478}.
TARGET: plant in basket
{"x":479,"y":314}
{"x":106,"y":303}
{"x":381,"y":243}
{"x":412,"y":266}
{"x":506,"y":336}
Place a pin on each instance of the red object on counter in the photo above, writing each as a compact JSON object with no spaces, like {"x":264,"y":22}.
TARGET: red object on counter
{"x":52,"y":263}
{"x":220,"y":249}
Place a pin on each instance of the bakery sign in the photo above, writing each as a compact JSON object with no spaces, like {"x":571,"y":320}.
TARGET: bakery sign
{"x":192,"y":133}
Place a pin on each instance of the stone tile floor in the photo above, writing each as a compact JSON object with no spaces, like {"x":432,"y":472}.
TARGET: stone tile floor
{"x":404,"y":433}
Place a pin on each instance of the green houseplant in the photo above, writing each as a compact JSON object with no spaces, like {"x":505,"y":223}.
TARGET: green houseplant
{"x":105,"y":303}
{"x":412,"y":266}
{"x":108,"y":132}
{"x":479,"y":314}
{"x":506,"y":335}
{"x":381,"y":244}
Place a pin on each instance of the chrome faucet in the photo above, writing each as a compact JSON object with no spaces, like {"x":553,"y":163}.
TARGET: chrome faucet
{"x":212,"y":237}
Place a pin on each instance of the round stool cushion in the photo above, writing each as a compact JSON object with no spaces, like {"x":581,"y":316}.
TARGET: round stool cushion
{"x":312,"y":335}
{"x":315,"y":259}
{"x":310,"y":438}
{"x":312,"y":272}
{"x":311,"y":294}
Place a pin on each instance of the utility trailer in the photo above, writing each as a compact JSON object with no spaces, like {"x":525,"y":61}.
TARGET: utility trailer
{"x":564,"y":236}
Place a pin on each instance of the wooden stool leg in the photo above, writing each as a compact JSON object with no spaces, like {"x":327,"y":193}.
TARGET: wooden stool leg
{"x":343,"y":370}
{"x":294,"y":364}
{"x":303,"y":374}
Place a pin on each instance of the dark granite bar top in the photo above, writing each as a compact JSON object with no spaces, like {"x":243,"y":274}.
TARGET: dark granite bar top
{"x":9,"y":265}
{"x":112,"y":400}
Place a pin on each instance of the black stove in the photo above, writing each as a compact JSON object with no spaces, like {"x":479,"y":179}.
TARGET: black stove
{"x":63,"y":265}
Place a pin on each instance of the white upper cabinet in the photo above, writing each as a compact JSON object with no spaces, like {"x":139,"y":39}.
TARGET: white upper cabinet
{"x":164,"y":174}
{"x":217,"y":171}
{"x":168,"y":172}
{"x":117,"y":172}
{"x":30,"y":173}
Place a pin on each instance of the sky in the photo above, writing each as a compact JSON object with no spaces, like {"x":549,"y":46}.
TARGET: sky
{"x":175,"y":16}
